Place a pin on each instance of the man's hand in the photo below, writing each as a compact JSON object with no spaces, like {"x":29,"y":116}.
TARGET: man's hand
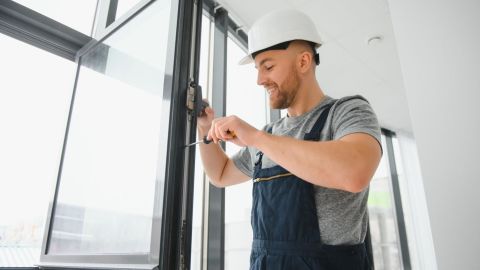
{"x":219,"y":168}
{"x":232,"y":129}
{"x":204,"y":121}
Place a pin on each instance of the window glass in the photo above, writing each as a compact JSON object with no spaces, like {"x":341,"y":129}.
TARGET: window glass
{"x":248,"y":101}
{"x":113,"y":161}
{"x":35,"y":92}
{"x":383,"y":222}
{"x":124,"y":6}
{"x":78,"y":15}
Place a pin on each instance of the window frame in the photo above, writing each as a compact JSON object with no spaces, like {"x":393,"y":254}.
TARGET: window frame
{"x":105,"y":18}
{"x":40,"y":31}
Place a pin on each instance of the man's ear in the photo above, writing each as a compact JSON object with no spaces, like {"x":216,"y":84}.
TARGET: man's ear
{"x":304,"y":61}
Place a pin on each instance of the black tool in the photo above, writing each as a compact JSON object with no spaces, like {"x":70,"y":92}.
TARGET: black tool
{"x":204,"y":140}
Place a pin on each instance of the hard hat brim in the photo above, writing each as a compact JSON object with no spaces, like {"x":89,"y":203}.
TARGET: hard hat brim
{"x":246,"y":60}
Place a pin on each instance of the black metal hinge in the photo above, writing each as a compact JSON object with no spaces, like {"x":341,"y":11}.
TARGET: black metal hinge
{"x":195,"y":104}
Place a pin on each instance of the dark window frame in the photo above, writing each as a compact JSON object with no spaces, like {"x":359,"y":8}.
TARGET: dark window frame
{"x":31,"y":27}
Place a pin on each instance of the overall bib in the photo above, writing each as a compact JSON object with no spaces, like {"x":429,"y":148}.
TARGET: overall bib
{"x":285,"y":226}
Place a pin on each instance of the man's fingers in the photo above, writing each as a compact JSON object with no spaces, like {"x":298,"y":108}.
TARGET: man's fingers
{"x":218,"y":131}
{"x":225,"y":128}
{"x":212,"y":136}
{"x":222,"y":130}
{"x":209,"y":111}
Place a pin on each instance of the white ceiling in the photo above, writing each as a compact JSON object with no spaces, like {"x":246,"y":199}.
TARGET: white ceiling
{"x":348,"y":64}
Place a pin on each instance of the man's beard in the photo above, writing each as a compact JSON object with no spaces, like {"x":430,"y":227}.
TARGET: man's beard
{"x":285,"y":93}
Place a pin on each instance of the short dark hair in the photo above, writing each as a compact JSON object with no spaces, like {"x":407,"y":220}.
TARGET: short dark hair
{"x":279,"y":46}
{"x":284,"y":46}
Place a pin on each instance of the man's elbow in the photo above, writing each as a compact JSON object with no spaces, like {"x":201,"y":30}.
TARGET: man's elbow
{"x":357,"y":187}
{"x":357,"y":183}
{"x":359,"y":176}
{"x":217,"y":182}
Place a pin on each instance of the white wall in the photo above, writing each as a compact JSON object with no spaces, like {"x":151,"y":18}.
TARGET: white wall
{"x":439,"y":49}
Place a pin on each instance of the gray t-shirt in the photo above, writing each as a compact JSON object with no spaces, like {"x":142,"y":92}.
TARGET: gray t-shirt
{"x":342,"y":216}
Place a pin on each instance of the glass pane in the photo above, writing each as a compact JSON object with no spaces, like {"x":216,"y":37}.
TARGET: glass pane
{"x":241,"y":90}
{"x":383,"y":223}
{"x":35,"y":92}
{"x":200,"y":180}
{"x":78,"y":15}
{"x":105,"y":202}
{"x":125,"y":5}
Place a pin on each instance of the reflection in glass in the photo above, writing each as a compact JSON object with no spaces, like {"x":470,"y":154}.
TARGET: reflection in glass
{"x":109,"y":177}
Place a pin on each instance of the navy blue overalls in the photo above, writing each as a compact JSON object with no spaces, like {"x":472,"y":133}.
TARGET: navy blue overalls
{"x":286,"y":234}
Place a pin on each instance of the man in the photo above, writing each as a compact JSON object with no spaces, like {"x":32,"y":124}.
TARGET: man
{"x":311,"y":169}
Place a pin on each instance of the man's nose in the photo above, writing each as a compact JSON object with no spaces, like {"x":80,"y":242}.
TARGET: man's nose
{"x":260,"y":78}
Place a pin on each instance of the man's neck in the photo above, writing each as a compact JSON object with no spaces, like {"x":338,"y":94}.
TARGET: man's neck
{"x":306,"y":99}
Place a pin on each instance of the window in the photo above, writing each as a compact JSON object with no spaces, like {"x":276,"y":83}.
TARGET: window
{"x":35,"y":92}
{"x":111,"y":181}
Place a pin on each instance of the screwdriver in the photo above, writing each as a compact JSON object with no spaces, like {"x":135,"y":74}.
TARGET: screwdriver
{"x":206,"y":141}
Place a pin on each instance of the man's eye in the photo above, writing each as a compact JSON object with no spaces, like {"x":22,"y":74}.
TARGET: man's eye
{"x":269,"y":67}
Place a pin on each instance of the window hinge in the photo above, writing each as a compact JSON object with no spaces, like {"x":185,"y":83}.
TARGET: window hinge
{"x":191,"y":96}
{"x":195,"y":104}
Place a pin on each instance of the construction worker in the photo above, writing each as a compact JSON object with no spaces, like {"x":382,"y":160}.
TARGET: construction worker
{"x":311,"y":169}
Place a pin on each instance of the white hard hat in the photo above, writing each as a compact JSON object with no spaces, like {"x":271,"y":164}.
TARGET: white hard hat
{"x":277,"y":27}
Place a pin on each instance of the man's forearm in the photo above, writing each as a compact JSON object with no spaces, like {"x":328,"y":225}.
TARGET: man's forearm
{"x":214,"y":160}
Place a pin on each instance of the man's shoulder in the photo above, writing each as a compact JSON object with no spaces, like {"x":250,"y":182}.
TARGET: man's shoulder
{"x":348,"y":104}
{"x":351,"y":100}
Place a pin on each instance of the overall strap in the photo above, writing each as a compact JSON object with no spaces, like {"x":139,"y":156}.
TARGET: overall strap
{"x":259,"y":155}
{"x":314,"y":134}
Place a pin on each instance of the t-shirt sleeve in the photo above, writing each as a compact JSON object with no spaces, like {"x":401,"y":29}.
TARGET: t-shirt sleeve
{"x":243,"y":161}
{"x":355,"y":116}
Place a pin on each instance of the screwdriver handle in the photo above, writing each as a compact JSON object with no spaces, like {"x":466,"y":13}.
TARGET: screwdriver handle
{"x":206,"y":141}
